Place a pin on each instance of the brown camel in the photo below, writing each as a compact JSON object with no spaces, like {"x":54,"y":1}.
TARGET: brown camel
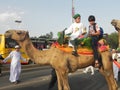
{"x":63,"y":63}
{"x":116,"y":24}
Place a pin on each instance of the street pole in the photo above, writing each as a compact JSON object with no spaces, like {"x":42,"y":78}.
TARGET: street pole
{"x":18,"y":22}
{"x":73,"y":11}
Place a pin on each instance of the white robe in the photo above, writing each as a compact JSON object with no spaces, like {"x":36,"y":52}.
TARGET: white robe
{"x":15,"y":66}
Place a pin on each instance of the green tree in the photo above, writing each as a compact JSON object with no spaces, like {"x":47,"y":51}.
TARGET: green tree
{"x":113,"y":40}
{"x":47,"y":36}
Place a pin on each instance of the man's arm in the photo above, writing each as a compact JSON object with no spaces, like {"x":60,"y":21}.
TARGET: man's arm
{"x":7,"y":58}
{"x":69,"y":30}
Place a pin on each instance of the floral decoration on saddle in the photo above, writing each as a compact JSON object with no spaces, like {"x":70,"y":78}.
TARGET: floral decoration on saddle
{"x":102,"y":45}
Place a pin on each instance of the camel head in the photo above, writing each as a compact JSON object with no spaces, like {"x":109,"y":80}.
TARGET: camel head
{"x":116,"y":24}
{"x":18,"y":35}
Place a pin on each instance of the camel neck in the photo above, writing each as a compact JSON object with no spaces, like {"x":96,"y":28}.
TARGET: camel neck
{"x":34,"y":54}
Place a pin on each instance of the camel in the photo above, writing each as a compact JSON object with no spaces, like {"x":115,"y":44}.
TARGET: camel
{"x":116,"y":24}
{"x":63,"y":62}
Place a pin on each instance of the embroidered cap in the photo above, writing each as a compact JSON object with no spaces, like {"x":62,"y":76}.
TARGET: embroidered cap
{"x":76,"y":15}
{"x":17,"y":47}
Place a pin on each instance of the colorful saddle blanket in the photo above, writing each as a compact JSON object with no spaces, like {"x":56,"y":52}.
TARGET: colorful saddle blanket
{"x":84,"y":46}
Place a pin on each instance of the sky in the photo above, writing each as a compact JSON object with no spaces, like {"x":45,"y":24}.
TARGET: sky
{"x":43,"y":16}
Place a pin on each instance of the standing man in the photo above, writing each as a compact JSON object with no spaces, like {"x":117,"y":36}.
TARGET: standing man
{"x":15,"y":66}
{"x":75,"y":31}
{"x":53,"y":79}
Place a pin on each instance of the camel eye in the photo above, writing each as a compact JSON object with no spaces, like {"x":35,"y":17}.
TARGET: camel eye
{"x":19,"y":32}
{"x":7,"y":31}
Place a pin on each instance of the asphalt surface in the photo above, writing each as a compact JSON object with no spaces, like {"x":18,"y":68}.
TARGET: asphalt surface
{"x":28,"y":72}
{"x":38,"y":78}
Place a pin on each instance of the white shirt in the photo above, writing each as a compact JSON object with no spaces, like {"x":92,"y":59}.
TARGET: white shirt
{"x":76,"y":29}
{"x":91,"y":29}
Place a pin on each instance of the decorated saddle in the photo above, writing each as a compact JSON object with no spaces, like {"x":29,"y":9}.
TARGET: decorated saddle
{"x":83,"y":44}
{"x":84,"y":47}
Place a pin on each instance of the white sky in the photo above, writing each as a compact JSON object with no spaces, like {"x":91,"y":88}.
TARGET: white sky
{"x":43,"y":16}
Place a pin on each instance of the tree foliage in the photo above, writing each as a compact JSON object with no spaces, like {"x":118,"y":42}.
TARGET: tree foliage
{"x":47,"y":36}
{"x":113,"y":40}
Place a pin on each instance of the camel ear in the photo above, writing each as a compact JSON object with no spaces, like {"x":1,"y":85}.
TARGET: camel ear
{"x":113,"y":20}
{"x":18,"y":32}
{"x":27,"y":32}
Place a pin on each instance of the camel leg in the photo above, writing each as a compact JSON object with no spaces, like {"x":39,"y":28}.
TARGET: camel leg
{"x":109,"y":78}
{"x":113,"y":82}
{"x":65,"y":81}
{"x":59,"y":80}
{"x":107,"y":70}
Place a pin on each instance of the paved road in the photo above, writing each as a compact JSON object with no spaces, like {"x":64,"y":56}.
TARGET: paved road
{"x":38,"y":79}
{"x":28,"y":72}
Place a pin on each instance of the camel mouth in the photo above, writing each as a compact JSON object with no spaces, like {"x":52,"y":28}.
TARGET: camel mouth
{"x":8,"y":34}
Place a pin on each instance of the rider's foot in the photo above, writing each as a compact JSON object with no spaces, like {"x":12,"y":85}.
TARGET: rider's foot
{"x":75,"y":53}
